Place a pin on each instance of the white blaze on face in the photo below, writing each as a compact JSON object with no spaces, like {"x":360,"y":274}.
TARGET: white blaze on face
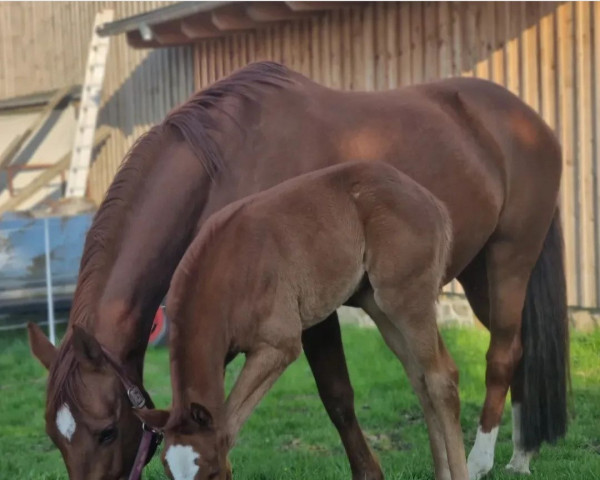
{"x":481,"y":458}
{"x":182,"y":462}
{"x":65,"y":422}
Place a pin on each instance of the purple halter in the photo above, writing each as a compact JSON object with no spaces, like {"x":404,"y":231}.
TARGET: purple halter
{"x":138,"y":398}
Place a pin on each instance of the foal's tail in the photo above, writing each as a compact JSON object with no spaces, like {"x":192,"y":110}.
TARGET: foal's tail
{"x":544,"y":368}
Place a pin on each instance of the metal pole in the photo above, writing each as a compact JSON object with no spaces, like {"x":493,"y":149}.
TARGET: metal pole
{"x":49,"y":296}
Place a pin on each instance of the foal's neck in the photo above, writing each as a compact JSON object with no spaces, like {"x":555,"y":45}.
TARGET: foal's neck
{"x":198,"y":350}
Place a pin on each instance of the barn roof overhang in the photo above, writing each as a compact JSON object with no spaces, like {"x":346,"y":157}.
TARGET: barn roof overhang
{"x":189,"y":22}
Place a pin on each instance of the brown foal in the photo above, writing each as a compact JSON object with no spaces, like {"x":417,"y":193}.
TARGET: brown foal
{"x":265,"y":268}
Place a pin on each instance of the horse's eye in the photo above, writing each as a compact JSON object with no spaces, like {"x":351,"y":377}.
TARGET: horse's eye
{"x":107,"y":436}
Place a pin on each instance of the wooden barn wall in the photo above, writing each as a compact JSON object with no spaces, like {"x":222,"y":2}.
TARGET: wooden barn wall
{"x":547,"y":53}
{"x":44,"y":46}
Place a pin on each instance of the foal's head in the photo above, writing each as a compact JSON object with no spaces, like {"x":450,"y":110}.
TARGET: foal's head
{"x":88,"y":415}
{"x":195,"y":448}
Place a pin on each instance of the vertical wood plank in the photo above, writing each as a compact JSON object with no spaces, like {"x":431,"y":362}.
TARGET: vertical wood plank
{"x":336,"y":49}
{"x":391,"y":52}
{"x":530,"y":56}
{"x":548,"y":69}
{"x":430,"y":29}
{"x":587,"y":259}
{"x":347,"y":53}
{"x":367,"y":37}
{"x":457,"y":35}
{"x":499,"y":45}
{"x":417,"y":42}
{"x":445,"y":39}
{"x":567,"y":104}
{"x":358,"y":70}
{"x":513,"y":53}
{"x":596,"y":133}
{"x":315,"y":50}
{"x":380,"y":46}
{"x":405,"y":60}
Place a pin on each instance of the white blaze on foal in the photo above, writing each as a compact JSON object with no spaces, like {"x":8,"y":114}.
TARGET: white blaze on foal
{"x":65,"y":422}
{"x":481,"y":458}
{"x":182,"y":462}
{"x":519,"y":463}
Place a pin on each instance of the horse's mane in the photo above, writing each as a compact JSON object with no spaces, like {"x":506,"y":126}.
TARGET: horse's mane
{"x":193,"y":122}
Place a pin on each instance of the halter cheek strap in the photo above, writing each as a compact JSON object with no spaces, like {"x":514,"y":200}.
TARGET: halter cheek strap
{"x":138,"y":398}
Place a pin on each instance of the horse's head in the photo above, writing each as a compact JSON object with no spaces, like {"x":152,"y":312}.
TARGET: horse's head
{"x":195,"y":448}
{"x":88,"y":413}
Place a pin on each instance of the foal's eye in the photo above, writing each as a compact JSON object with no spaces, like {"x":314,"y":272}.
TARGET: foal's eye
{"x":107,"y":436}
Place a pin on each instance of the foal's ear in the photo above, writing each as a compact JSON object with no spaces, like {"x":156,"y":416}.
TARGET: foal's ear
{"x":40,"y":346}
{"x":154,"y":418}
{"x":87,"y":349}
{"x":201,"y":415}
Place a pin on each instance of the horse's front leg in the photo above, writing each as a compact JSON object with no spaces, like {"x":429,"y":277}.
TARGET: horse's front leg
{"x":264,"y":364}
{"x":325,"y":354}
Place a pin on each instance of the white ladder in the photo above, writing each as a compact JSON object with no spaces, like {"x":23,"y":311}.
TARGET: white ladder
{"x":91,"y":95}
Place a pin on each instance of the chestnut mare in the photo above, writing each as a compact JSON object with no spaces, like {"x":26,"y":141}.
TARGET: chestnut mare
{"x":267,"y":267}
{"x":477,"y":147}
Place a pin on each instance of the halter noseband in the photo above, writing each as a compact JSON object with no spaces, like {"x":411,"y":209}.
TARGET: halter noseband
{"x":139,"y":398}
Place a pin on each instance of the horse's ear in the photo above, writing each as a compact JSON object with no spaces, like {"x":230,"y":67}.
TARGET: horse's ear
{"x":40,"y":346}
{"x":87,"y":349}
{"x":154,"y":418}
{"x":201,"y":415}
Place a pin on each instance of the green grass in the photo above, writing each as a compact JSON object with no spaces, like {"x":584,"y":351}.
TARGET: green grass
{"x":289,"y":435}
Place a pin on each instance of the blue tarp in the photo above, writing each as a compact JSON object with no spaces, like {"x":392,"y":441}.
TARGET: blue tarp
{"x":23,"y":262}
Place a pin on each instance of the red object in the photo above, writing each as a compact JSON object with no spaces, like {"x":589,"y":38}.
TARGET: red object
{"x":158,"y":333}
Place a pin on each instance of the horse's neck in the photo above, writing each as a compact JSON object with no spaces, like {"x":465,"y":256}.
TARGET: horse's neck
{"x":159,"y":228}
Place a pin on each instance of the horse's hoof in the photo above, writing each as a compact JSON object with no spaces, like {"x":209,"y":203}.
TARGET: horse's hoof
{"x":517,"y":468}
{"x":519,"y":463}
{"x":478,"y":470}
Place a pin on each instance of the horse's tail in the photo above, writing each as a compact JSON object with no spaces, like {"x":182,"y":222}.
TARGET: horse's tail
{"x":544,"y":367}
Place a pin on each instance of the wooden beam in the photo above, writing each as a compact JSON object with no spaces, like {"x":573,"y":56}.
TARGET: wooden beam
{"x":47,"y":175}
{"x":316,"y":6}
{"x":199,"y":26}
{"x":135,"y":40}
{"x":15,"y":145}
{"x":271,"y":12}
{"x":169,"y":33}
{"x":232,"y":17}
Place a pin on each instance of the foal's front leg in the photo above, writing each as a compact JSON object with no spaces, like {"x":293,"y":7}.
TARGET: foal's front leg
{"x":264,"y":364}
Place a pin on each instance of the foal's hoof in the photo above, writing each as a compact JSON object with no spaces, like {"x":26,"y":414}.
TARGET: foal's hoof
{"x":228,"y":470}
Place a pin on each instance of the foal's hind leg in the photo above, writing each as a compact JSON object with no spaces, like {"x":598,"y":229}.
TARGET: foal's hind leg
{"x":414,"y":338}
{"x":325,"y":354}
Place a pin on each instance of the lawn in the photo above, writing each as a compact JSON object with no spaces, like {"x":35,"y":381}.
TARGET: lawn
{"x":290,"y":437}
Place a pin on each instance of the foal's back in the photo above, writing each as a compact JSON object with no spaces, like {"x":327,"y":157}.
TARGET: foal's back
{"x":312,"y":242}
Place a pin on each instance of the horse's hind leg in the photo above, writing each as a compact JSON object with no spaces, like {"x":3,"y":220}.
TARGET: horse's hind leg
{"x":414,"y":338}
{"x":474,"y":281}
{"x":325,"y":354}
{"x":508,"y":269}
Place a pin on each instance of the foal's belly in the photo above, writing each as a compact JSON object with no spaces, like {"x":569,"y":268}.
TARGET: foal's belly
{"x":329,"y":283}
